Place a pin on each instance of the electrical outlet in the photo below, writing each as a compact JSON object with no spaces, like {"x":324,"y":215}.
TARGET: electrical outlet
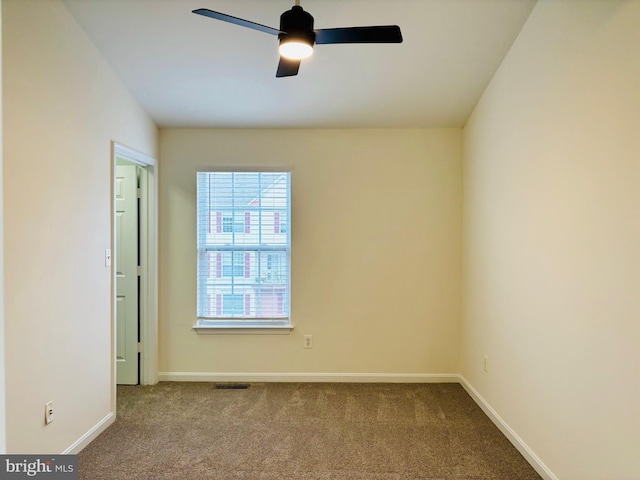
{"x":308,"y":341}
{"x":486,"y":363}
{"x":48,"y":412}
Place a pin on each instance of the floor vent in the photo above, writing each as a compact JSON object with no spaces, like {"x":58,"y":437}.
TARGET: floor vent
{"x":232,"y":386}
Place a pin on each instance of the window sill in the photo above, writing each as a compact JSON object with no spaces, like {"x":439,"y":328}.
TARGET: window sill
{"x":244,"y":328}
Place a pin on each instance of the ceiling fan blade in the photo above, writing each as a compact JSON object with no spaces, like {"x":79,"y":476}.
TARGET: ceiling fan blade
{"x":379,"y":34}
{"x":287,"y":68}
{"x":236,"y":21}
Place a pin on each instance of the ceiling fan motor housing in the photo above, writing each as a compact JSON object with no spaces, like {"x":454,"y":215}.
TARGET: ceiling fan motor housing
{"x":297,"y":24}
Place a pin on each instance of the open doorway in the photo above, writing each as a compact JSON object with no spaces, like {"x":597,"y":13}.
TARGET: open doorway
{"x":134,"y":281}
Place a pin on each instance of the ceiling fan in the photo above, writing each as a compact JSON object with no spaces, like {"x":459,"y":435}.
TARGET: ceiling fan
{"x":297,"y":36}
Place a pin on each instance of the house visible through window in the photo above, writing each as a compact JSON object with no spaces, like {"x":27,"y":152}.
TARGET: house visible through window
{"x":232,"y":304}
{"x":232,"y":264}
{"x":244,"y":247}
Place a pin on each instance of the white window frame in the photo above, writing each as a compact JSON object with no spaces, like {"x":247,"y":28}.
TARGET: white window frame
{"x":245,"y":325}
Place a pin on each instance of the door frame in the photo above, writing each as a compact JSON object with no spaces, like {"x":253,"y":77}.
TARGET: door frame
{"x":148,"y":263}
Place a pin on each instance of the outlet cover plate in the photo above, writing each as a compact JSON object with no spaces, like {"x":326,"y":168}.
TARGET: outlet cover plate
{"x":48,"y":412}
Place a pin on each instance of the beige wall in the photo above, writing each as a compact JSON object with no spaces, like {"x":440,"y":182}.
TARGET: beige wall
{"x":376,"y":222}
{"x":3,"y":423}
{"x":62,"y":108}
{"x":552,"y":239}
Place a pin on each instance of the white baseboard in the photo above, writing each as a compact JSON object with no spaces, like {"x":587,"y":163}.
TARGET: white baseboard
{"x":91,"y":435}
{"x":508,"y":432}
{"x":310,"y":377}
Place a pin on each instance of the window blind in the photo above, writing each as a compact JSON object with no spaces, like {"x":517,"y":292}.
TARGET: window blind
{"x":244,"y":244}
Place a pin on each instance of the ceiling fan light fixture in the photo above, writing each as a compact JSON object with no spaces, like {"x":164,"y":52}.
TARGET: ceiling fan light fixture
{"x":297,"y":36}
{"x":295,"y":48}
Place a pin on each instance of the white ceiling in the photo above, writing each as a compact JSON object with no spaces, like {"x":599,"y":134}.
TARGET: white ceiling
{"x":191,"y":71}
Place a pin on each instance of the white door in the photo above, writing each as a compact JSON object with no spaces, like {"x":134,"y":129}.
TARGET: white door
{"x":126,"y":264}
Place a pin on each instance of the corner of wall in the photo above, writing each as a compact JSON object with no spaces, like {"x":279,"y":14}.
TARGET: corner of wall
{"x":3,"y":423}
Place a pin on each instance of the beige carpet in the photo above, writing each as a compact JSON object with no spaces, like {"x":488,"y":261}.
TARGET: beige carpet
{"x":307,"y":431}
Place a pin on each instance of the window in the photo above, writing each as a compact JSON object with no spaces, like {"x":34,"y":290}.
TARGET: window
{"x":244,"y":248}
{"x":232,"y":264}
{"x":232,"y":304}
{"x":229,"y":225}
